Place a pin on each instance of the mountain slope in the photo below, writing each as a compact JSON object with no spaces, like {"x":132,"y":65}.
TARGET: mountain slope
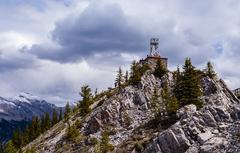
{"x":17,"y":112}
{"x":127,"y":116}
{"x":23,"y":107}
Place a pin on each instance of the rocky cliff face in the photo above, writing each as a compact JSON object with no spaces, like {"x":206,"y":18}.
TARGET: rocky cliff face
{"x":127,"y":113}
{"x":214,"y":128}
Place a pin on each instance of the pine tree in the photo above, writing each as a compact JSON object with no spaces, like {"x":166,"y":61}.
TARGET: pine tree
{"x":143,"y":68}
{"x":72,"y":132}
{"x":119,"y":79}
{"x":105,"y":146}
{"x":84,"y":104}
{"x":47,"y":121}
{"x":177,"y":84}
{"x":155,"y":103}
{"x":17,"y":138}
{"x":30,"y":150}
{"x":36,"y":127}
{"x":54,"y":117}
{"x":210,"y":71}
{"x":10,"y":148}
{"x":26,"y":135}
{"x":42,"y":124}
{"x":20,"y":151}
{"x":60,"y":115}
{"x":96,"y":92}
{"x":1,"y":147}
{"x":126,"y":77}
{"x":135,"y":75}
{"x":67,"y":111}
{"x":160,"y":70}
{"x":170,"y":102}
{"x":190,"y":85}
{"x":30,"y":132}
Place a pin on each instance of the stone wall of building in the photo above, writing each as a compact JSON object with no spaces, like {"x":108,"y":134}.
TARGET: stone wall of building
{"x":153,"y":61}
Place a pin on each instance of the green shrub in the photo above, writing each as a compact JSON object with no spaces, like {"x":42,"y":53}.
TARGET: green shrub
{"x":31,"y":150}
{"x":127,"y":120}
{"x":72,"y":133}
{"x":105,"y":146}
{"x":93,"y":141}
{"x":138,"y":147}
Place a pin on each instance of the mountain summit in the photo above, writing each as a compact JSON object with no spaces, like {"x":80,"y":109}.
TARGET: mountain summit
{"x":154,"y":111}
{"x":23,"y":107}
{"x":17,"y":112}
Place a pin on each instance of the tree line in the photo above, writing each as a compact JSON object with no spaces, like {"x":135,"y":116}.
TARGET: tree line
{"x":186,"y":90}
{"x":37,"y":126}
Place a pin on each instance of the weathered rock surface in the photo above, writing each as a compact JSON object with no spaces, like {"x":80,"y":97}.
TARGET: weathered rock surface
{"x":215,"y":128}
{"x":208,"y":130}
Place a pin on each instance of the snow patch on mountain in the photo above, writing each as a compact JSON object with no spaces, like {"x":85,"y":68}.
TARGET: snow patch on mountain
{"x":1,"y":110}
{"x":23,"y":107}
{"x":26,"y":97}
{"x":5,"y":101}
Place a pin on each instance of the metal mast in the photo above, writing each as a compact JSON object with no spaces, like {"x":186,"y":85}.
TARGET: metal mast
{"x":154,"y":42}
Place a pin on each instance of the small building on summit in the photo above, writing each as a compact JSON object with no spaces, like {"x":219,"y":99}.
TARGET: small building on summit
{"x":154,"y":55}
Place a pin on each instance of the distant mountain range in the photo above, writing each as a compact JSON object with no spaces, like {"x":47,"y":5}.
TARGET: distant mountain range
{"x":17,"y":112}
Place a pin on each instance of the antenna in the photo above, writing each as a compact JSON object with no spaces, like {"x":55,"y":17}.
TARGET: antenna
{"x":154,"y":42}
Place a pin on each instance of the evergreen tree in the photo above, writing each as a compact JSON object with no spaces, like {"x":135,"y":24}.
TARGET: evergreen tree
{"x":1,"y":147}
{"x":190,"y":85}
{"x":119,"y":79}
{"x":72,"y":132}
{"x":105,"y":146}
{"x":84,"y":104}
{"x":42,"y":125}
{"x":126,"y":77}
{"x":20,"y":150}
{"x":67,"y":111}
{"x":54,"y":117}
{"x":155,"y":103}
{"x":17,"y":138}
{"x":47,"y":121}
{"x":160,"y":70}
{"x":170,"y":101}
{"x":10,"y":148}
{"x":26,"y":135}
{"x":135,"y":75}
{"x":209,"y":70}
{"x":35,"y":128}
{"x":143,"y":68}
{"x":177,"y":84}
{"x":96,"y":92}
{"x":60,"y":115}
{"x":30,"y":150}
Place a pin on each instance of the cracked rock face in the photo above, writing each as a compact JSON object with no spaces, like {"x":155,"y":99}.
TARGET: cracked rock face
{"x":211,"y":129}
{"x":215,"y":128}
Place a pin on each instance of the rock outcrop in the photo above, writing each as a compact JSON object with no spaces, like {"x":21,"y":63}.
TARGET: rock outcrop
{"x":212,"y":129}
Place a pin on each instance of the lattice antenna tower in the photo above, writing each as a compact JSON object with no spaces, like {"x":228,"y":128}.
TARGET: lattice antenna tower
{"x":154,"y":42}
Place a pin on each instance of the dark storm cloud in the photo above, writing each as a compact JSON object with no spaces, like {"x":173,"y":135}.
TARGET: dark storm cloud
{"x":15,"y":62}
{"x":100,"y":29}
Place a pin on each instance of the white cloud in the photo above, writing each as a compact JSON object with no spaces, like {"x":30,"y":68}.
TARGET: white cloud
{"x":203,"y":30}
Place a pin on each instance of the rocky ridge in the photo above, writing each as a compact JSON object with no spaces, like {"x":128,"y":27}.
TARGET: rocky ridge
{"x":213,"y":128}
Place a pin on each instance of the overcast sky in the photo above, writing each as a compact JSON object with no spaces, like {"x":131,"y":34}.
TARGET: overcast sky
{"x":50,"y":48}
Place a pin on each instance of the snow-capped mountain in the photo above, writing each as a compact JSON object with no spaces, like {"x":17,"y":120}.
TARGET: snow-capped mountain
{"x":23,"y":107}
{"x":17,"y":112}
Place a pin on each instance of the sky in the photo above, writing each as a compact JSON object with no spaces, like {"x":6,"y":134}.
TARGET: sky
{"x":50,"y":48}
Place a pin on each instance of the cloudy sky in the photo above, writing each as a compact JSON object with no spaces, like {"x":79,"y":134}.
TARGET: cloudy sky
{"x":50,"y":48}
